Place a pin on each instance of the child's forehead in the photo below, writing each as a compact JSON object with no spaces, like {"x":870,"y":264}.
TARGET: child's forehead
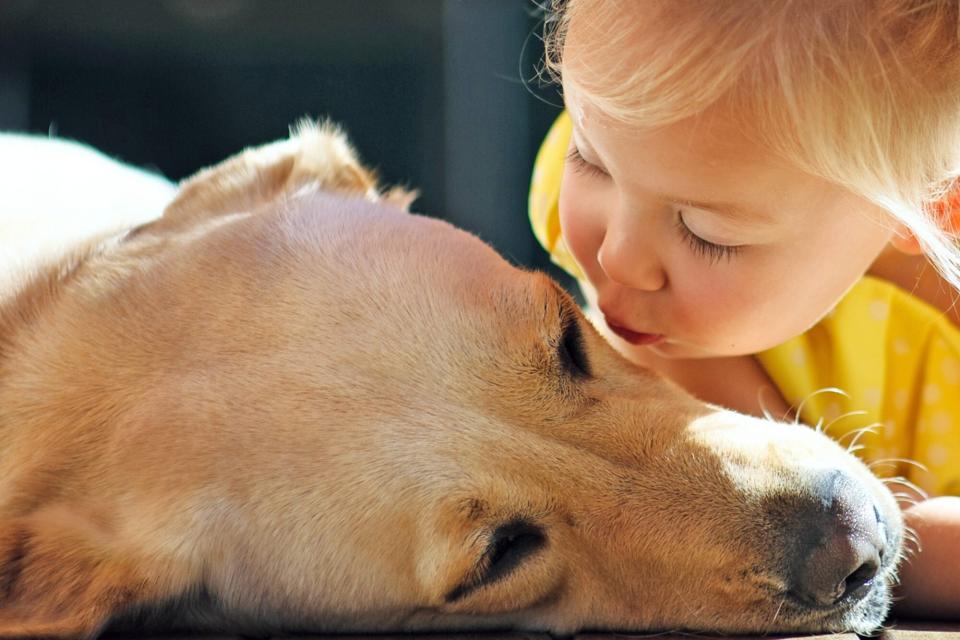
{"x":709,"y":162}
{"x":714,"y":133}
{"x":601,"y":96}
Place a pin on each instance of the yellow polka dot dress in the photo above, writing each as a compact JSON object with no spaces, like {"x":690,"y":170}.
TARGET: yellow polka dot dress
{"x":881,"y":359}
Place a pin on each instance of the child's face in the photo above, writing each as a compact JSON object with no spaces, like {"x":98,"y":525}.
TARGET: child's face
{"x":694,"y":233}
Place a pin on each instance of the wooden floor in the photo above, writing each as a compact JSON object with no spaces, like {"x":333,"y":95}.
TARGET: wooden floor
{"x":905,"y":631}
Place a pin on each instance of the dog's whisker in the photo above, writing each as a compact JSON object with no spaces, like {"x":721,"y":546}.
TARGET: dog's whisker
{"x":802,"y":404}
{"x":895,"y":461}
{"x":903,"y":482}
{"x":912,"y":546}
{"x":911,"y":541}
{"x":787,"y":415}
{"x":776,"y":613}
{"x":843,"y":416}
{"x":906,"y":499}
{"x":908,"y":461}
{"x":883,"y":629}
{"x":764,"y":409}
{"x":905,"y":496}
{"x":858,"y":433}
{"x":908,"y":555}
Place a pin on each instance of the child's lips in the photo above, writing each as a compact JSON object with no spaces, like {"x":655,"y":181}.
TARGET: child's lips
{"x":635,"y":337}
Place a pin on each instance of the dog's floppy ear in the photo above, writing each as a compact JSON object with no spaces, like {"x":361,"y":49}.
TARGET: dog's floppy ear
{"x":60,"y":576}
{"x":315,"y":156}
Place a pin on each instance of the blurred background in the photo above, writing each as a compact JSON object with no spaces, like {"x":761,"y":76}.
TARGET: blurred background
{"x":439,"y":95}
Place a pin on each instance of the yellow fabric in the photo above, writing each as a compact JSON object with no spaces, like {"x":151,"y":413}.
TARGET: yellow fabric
{"x":895,"y":358}
{"x":545,"y":194}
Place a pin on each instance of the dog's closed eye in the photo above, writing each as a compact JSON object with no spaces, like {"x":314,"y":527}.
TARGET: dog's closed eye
{"x":573,"y":356}
{"x":508,"y":547}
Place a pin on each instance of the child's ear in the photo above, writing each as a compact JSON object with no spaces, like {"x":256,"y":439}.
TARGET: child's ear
{"x":904,"y":241}
{"x":947,"y":214}
{"x":61,"y":576}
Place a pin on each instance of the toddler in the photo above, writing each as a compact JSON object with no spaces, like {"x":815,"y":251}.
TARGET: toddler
{"x":760,"y":200}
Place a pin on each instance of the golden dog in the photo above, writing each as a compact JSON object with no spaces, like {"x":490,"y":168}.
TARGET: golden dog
{"x":288,"y":404}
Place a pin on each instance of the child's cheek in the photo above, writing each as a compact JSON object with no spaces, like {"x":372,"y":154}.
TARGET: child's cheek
{"x":581,"y":219}
{"x":707,"y":306}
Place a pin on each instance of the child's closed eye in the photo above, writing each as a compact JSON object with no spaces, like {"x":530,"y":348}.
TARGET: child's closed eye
{"x":584,"y":166}
{"x":702,"y":247}
{"x":711,"y":250}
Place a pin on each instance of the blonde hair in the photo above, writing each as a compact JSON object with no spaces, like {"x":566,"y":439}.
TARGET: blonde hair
{"x":864,"y":93}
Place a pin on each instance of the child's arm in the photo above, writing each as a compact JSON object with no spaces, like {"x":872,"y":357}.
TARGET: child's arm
{"x":930,"y":579}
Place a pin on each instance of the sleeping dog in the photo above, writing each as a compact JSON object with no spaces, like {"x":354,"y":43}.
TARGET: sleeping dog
{"x":290,"y":405}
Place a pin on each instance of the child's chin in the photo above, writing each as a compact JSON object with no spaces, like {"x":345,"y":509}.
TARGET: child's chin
{"x":668,"y":348}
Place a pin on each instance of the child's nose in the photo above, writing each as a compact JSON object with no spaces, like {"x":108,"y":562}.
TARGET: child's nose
{"x":630,"y":262}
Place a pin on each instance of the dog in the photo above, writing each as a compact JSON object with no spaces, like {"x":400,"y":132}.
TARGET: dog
{"x":289,"y":404}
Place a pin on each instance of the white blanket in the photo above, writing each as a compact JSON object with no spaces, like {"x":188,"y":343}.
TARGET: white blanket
{"x":55,"y":193}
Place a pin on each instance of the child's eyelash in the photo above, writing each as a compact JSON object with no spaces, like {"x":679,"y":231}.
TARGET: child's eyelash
{"x":580,"y":164}
{"x":705,"y":248}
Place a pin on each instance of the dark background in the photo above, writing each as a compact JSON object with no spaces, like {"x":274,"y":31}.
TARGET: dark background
{"x":440,"y":95}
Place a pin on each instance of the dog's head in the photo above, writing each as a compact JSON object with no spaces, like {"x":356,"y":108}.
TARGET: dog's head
{"x":321,"y":412}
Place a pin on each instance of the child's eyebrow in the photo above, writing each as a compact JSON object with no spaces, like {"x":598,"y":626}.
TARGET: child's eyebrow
{"x":730,"y":210}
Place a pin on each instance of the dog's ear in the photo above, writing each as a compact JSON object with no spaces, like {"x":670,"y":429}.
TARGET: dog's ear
{"x":61,"y":576}
{"x":315,"y":156}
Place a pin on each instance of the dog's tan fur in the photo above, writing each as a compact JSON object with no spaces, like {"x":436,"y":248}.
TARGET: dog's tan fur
{"x":289,"y":404}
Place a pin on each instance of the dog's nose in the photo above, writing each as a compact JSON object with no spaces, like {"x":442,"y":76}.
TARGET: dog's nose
{"x":842,"y":544}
